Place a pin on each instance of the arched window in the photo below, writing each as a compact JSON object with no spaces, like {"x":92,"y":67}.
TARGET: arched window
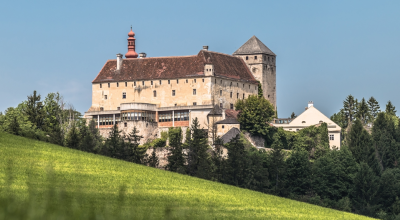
{"x":155,"y":93}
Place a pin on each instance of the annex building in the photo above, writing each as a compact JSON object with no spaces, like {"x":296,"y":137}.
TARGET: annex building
{"x":155,"y":93}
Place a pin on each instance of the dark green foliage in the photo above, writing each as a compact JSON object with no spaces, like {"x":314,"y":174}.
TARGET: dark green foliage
{"x":364,"y":190}
{"x":389,"y":190}
{"x":390,"y":109}
{"x":256,"y":171}
{"x":254,"y":114}
{"x":373,"y":107}
{"x":340,"y":119}
{"x":198,"y":160}
{"x":360,"y":144}
{"x":176,"y":159}
{"x":234,"y":173}
{"x":363,"y":112}
{"x":298,"y":172}
{"x":332,"y":174}
{"x":293,"y":115}
{"x":313,"y":139}
{"x":277,"y":165}
{"x":34,"y":110}
{"x":72,"y":140}
{"x":153,"y":161}
{"x":133,"y":151}
{"x":217,"y":159}
{"x":114,"y":145}
{"x":349,"y":108}
{"x":260,"y":90}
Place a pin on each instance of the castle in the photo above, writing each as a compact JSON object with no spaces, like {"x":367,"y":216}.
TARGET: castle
{"x":155,"y":93}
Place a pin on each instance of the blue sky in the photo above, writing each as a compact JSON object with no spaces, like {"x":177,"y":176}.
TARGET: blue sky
{"x":325,"y":50}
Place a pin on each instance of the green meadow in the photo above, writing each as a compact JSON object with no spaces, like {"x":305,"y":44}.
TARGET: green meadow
{"x":44,"y":181}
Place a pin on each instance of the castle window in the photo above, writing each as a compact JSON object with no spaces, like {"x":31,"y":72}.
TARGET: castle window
{"x":194,"y":80}
{"x":124,"y":95}
{"x":268,"y":96}
{"x":186,"y":81}
{"x":108,"y":85}
{"x":177,"y":81}
{"x":268,"y":59}
{"x":231,"y":106}
{"x":118,"y":108}
{"x":237,"y":96}
{"x":105,"y":96}
{"x":331,"y":137}
{"x":247,"y":58}
{"x":134,"y":83}
{"x":155,"y":93}
{"x":100,"y":86}
{"x":223,"y":126}
{"x":126,"y":84}
{"x":231,"y":84}
{"x":248,"y":96}
{"x":249,"y":86}
{"x":125,"y":124}
{"x":255,"y":57}
{"x":169,"y":82}
{"x":243,"y":85}
{"x":231,"y":94}
{"x":160,"y":82}
{"x":194,"y":91}
{"x":255,"y":87}
{"x":243,"y":95}
{"x":142,"y":82}
{"x":173,"y":92}
{"x":221,"y":81}
{"x":237,"y":84}
{"x":117,"y":84}
{"x":203,"y":80}
{"x":215,"y":82}
{"x":151,"y":82}
{"x":101,"y":109}
{"x":194,"y":103}
{"x":220,"y":105}
{"x":220,"y":92}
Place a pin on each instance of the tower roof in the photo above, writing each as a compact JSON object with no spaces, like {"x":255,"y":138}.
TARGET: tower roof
{"x":253,"y":46}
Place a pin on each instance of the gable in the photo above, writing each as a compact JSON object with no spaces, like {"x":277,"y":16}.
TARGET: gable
{"x":311,"y":116}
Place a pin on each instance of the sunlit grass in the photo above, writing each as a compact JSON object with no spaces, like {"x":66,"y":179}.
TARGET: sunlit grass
{"x":45,"y":181}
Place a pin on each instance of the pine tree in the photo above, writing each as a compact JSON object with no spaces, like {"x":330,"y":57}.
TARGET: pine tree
{"x":34,"y":110}
{"x":234,"y":173}
{"x":176,"y":159}
{"x":134,"y":152}
{"x":198,"y":160}
{"x":360,"y":144}
{"x":390,"y":109}
{"x":114,"y":145}
{"x":293,"y":115}
{"x":373,"y":107}
{"x":349,"y":108}
{"x":72,"y":139}
{"x":260,"y":90}
{"x":363,"y":111}
{"x":364,"y":190}
{"x":298,"y":172}
{"x":153,"y":159}
{"x":217,"y":159}
{"x":277,"y":165}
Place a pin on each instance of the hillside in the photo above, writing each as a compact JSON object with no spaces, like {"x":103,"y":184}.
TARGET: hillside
{"x":78,"y":184}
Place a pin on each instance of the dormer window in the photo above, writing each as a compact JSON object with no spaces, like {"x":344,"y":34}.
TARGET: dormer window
{"x":303,"y":122}
{"x":124,"y":95}
{"x":255,"y":57}
{"x":117,"y":84}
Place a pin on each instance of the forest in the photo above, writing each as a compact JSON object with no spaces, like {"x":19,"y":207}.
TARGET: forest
{"x":361,"y":177}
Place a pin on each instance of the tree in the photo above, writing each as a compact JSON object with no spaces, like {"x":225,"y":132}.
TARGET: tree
{"x":389,"y":190}
{"x":114,"y":145}
{"x":198,"y":160}
{"x":360,"y":144}
{"x":236,"y":163}
{"x":34,"y":110}
{"x":153,"y":161}
{"x":218,"y":159}
{"x":373,"y":107}
{"x":340,"y":119}
{"x":72,"y":139}
{"x":349,"y":108}
{"x":276,"y":164}
{"x":255,"y":113}
{"x":176,"y":159}
{"x":313,"y":139}
{"x":134,"y":152}
{"x":363,"y":111}
{"x":260,"y":90}
{"x":293,"y":115}
{"x":364,"y":191}
{"x":298,"y":172}
{"x":390,"y":109}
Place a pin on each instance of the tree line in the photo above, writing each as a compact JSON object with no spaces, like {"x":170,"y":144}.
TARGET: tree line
{"x":362,"y":177}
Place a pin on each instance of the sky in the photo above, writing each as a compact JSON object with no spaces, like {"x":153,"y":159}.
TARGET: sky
{"x":325,"y":50}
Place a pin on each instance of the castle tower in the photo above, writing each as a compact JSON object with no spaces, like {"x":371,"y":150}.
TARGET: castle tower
{"x":131,"y":45}
{"x":261,"y":62}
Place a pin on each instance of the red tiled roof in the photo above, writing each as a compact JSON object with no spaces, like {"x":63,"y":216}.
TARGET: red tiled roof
{"x":175,"y":67}
{"x":230,"y":113}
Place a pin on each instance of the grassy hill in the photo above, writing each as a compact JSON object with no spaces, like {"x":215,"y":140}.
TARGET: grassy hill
{"x":44,"y":181}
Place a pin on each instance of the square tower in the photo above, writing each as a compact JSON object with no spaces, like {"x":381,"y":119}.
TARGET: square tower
{"x":261,"y":62}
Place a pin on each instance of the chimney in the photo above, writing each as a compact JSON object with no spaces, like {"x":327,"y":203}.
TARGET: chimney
{"x":223,"y":114}
{"x":142,"y":55}
{"x":310,"y":104}
{"x":119,"y":61}
{"x":205,"y":48}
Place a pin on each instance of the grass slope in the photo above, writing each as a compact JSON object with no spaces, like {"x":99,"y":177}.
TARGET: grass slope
{"x":92,"y":186}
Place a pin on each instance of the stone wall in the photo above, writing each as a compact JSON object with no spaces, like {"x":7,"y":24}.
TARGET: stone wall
{"x":148,"y":130}
{"x":256,"y":141}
